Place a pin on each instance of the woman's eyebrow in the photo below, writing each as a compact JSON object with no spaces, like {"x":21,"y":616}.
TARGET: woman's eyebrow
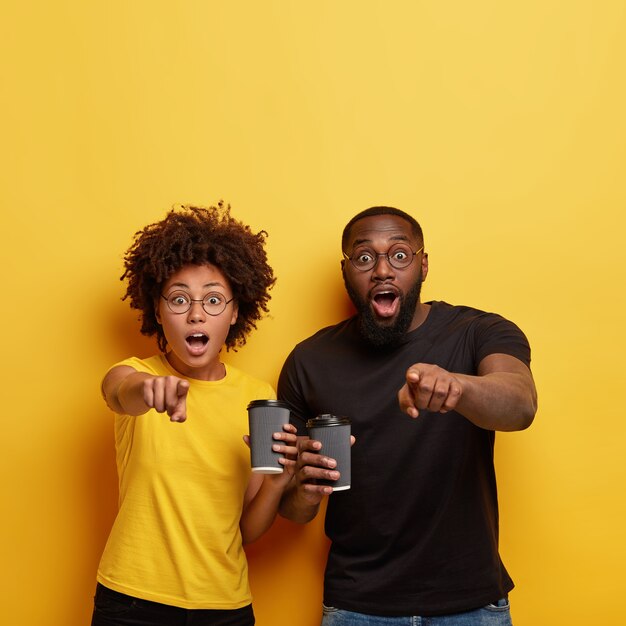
{"x":186,"y":286}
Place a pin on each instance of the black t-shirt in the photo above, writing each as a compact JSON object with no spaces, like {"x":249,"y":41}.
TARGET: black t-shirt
{"x":417,"y":533}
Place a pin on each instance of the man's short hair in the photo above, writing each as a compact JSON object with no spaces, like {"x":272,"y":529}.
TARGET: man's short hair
{"x":381,"y":210}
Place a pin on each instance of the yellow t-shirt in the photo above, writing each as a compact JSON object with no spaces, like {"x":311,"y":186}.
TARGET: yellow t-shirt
{"x":176,"y":537}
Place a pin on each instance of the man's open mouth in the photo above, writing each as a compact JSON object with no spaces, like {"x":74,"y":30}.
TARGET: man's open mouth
{"x":385,"y":303}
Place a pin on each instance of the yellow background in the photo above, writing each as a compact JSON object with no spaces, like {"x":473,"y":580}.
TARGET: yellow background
{"x":499,"y":125}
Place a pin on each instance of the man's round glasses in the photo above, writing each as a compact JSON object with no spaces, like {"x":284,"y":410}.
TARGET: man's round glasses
{"x":398,"y":256}
{"x":180,"y":302}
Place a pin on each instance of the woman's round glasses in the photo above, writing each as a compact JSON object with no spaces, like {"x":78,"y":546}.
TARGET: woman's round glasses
{"x":180,"y":302}
{"x":398,"y":256}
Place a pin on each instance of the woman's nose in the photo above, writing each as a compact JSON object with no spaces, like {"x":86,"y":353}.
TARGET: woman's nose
{"x":196,"y":312}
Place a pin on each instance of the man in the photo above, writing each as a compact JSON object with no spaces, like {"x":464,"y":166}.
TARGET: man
{"x":425,"y":386}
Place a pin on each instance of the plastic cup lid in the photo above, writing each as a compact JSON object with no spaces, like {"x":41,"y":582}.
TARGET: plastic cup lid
{"x":267,"y":403}
{"x":327,"y":420}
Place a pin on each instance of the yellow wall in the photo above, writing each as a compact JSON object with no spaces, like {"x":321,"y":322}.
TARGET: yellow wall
{"x":500,"y":125}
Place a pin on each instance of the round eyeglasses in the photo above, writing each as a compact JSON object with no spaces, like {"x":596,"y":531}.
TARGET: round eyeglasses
{"x":399,"y":256}
{"x":180,"y":302}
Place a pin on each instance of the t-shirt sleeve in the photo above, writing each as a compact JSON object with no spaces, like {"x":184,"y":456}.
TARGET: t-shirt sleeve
{"x":290,"y":392}
{"x":134,"y":362}
{"x":495,"y":334}
{"x":147,"y":366}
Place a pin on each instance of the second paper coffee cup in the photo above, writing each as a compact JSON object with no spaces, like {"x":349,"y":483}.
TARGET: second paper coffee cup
{"x":266,"y":417}
{"x":334,"y":433}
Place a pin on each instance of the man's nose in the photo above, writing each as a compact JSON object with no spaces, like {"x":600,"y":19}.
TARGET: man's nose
{"x":382,"y":269}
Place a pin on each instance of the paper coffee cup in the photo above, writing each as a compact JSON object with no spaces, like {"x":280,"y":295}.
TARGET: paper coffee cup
{"x":266,"y":417}
{"x":334,"y":434}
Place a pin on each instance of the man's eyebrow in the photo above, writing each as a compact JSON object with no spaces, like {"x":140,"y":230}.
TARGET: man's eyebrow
{"x":358,"y":242}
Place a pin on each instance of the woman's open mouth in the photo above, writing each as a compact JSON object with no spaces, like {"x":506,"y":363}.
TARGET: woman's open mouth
{"x":197,"y":342}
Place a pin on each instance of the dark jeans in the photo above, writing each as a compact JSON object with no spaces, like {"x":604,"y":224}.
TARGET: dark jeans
{"x":112,"y":608}
{"x":497,"y":614}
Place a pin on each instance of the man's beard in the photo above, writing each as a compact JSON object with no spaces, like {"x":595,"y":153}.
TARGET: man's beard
{"x":377,"y":334}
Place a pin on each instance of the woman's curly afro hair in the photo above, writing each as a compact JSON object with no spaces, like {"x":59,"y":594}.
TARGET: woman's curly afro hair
{"x":190,"y":235}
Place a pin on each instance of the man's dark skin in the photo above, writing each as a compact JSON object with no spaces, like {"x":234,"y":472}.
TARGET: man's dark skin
{"x":502,"y":396}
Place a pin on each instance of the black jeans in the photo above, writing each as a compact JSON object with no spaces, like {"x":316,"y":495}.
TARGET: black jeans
{"x":112,"y":608}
